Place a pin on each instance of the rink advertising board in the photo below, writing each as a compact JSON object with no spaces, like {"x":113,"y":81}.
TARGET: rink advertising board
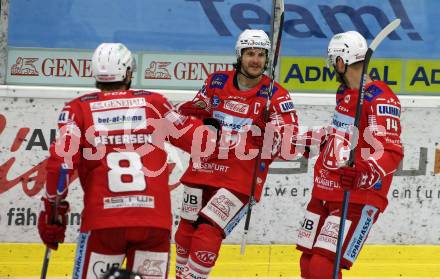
{"x":188,"y":71}
{"x":73,"y":68}
{"x":404,"y":76}
{"x":27,"y":125}
{"x":49,"y":67}
{"x":422,"y":76}
{"x":180,"y":71}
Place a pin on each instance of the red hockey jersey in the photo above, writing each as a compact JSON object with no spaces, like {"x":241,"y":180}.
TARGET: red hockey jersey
{"x":236,"y":110}
{"x":379,"y":143}
{"x":115,"y":140}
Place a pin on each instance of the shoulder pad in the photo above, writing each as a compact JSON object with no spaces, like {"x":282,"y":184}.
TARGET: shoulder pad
{"x":89,"y":97}
{"x":341,"y":89}
{"x":372,"y":92}
{"x":142,"y":93}
{"x":218,"y":80}
{"x":264,"y":89}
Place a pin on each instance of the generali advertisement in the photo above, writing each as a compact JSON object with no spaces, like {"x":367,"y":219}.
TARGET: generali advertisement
{"x":74,"y":68}
{"x":28,"y":125}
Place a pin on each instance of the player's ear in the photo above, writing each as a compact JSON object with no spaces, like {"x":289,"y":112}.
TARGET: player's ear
{"x":340,"y":65}
{"x":128,"y":76}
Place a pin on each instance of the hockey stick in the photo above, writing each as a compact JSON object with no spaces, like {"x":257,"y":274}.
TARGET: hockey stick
{"x":60,"y":188}
{"x":277,"y":20}
{"x":374,"y":44}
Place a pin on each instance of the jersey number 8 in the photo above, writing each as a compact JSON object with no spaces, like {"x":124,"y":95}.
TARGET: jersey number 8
{"x":126,"y":165}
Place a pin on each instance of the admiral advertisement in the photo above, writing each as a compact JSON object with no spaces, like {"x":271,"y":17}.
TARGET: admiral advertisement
{"x":27,"y":126}
{"x":404,"y":76}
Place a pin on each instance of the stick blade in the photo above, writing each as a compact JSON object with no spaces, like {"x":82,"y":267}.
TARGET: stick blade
{"x":384,"y":33}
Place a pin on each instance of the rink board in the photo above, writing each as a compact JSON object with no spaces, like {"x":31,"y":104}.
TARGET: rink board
{"x":28,"y":117}
{"x":25,"y":260}
{"x":394,"y":249}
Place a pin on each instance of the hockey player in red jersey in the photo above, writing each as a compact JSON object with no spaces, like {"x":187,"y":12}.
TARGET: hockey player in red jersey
{"x":378,"y":154}
{"x":114,"y":139}
{"x":217,"y":188}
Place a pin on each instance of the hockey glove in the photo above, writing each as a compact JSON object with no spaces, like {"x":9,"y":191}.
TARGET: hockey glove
{"x":362,"y":175}
{"x":52,"y":228}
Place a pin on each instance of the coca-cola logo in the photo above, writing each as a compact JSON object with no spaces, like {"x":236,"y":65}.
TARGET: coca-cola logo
{"x":236,"y":107}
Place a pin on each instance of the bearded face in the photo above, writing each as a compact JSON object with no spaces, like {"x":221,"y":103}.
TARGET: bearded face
{"x":253,"y":61}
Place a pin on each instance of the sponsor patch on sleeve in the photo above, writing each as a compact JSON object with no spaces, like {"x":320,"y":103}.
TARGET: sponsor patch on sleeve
{"x":215,"y":101}
{"x":388,"y":110}
{"x":218,"y":81}
{"x":372,"y":92}
{"x":341,"y":89}
{"x":287,"y":106}
{"x":264,"y":90}
{"x":89,"y":97}
{"x":142,"y":93}
{"x":63,"y":118}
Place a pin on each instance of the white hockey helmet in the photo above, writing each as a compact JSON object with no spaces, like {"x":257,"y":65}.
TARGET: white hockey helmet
{"x":252,"y":38}
{"x":110,"y":62}
{"x":351,"y":46}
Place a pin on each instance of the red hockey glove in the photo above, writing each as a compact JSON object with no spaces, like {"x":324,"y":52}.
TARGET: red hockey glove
{"x":361,"y":175}
{"x":52,"y":230}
